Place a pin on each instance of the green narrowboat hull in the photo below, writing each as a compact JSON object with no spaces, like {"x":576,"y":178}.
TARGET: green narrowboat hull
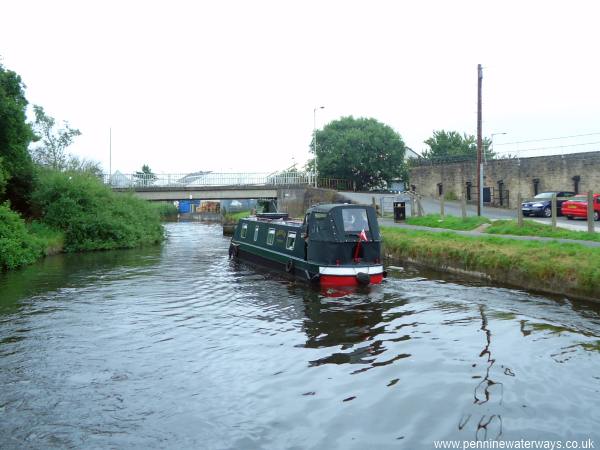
{"x":320,"y":249}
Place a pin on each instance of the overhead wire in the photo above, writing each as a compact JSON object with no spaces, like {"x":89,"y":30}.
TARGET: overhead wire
{"x":549,"y":148}
{"x":547,"y":139}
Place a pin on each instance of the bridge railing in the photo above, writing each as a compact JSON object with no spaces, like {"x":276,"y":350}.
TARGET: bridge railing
{"x":180,"y":180}
{"x":162,"y":181}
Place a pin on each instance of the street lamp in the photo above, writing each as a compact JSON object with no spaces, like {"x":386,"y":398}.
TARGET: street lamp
{"x":315,"y":140}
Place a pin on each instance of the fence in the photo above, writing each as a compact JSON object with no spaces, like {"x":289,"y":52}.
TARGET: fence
{"x":159,"y":181}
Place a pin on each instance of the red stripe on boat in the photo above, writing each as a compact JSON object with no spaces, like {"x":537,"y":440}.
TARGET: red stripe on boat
{"x":347,"y":280}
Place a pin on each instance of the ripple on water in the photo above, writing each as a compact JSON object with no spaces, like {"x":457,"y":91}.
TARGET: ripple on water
{"x":179,"y":347}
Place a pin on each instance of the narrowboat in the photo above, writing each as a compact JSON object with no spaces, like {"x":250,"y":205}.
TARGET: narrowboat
{"x":334,"y":245}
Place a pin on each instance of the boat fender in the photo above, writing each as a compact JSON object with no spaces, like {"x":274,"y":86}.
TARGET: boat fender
{"x":233,"y":251}
{"x":363,"y":278}
{"x":289,"y":266}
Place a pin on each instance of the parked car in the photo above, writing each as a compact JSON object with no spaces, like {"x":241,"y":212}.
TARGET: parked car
{"x":577,"y":207}
{"x":541,"y":205}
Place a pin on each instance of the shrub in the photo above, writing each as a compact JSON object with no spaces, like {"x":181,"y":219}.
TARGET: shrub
{"x":17,"y":246}
{"x":165,"y":209}
{"x":91,"y":215}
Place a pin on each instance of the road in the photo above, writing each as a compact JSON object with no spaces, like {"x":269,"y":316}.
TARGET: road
{"x":452,"y":208}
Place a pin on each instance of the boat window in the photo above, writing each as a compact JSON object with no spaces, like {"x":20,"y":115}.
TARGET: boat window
{"x":271,"y":236}
{"x":355,"y":219}
{"x":291,"y":240}
{"x":256,"y":233}
{"x":321,"y":223}
{"x":244,"y":230}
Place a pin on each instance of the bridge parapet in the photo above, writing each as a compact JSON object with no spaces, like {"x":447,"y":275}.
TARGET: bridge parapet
{"x":201,"y":180}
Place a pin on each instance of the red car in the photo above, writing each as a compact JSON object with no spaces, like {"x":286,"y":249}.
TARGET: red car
{"x":577,"y":207}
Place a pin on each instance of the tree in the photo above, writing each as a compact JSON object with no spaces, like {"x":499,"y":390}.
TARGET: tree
{"x":364,"y":151}
{"x":76,"y":164}
{"x":15,"y":136}
{"x":3,"y":179}
{"x":145,"y":177}
{"x":449,"y":146}
{"x":51,"y":151}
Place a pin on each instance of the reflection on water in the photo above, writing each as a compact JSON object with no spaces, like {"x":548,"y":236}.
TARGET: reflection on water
{"x":178,"y":347}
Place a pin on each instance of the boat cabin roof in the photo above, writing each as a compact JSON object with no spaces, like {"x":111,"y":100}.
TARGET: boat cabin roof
{"x":327,"y":207}
{"x":276,"y":220}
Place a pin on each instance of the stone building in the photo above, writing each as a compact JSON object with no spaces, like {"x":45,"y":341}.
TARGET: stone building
{"x":505,"y":178}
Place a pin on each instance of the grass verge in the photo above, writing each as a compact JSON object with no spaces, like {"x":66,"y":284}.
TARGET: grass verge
{"x":531,"y":228}
{"x":448,"y":222}
{"x":569,"y":269}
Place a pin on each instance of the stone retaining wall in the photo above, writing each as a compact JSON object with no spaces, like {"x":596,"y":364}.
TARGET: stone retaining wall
{"x":524,"y":175}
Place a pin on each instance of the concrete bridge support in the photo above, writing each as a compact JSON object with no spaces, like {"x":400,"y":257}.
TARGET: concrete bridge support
{"x":296,"y":200}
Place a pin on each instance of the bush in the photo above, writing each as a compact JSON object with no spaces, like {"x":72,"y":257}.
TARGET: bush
{"x":51,"y":239}
{"x":91,"y":215}
{"x":17,"y":246}
{"x":165,"y":209}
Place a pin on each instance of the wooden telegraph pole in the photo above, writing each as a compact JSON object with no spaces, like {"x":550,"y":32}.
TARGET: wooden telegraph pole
{"x":479,"y":142}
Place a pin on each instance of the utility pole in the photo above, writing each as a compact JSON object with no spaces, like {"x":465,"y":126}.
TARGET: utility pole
{"x":479,"y":141}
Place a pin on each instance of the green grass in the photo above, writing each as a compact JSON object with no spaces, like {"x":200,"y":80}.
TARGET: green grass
{"x":566,"y":266}
{"x":448,"y":222}
{"x":531,"y":228}
{"x":51,"y":239}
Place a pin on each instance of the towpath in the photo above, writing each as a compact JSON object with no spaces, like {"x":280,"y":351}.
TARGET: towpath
{"x":453,"y":208}
{"x":391,"y":223}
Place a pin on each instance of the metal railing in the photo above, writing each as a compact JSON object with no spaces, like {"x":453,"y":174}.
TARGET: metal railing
{"x":208,"y":179}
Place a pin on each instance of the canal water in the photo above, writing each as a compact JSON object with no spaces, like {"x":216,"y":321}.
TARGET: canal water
{"x":179,"y":347}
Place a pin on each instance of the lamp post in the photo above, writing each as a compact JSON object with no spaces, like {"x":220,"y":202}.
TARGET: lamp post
{"x":315,"y":140}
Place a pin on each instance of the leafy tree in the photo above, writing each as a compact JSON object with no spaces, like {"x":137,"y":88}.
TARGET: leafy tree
{"x":448,"y":146}
{"x":364,"y":151}
{"x":3,"y":179}
{"x":76,"y":164}
{"x":51,"y":150}
{"x":145,"y":177}
{"x":15,"y":136}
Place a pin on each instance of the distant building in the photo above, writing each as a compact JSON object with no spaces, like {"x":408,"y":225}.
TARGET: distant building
{"x":410,"y":154}
{"x":192,"y":178}
{"x":119,"y":180}
{"x":398,"y":184}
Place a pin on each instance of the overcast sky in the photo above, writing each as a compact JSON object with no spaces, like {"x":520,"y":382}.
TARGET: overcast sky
{"x":232,"y":85}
